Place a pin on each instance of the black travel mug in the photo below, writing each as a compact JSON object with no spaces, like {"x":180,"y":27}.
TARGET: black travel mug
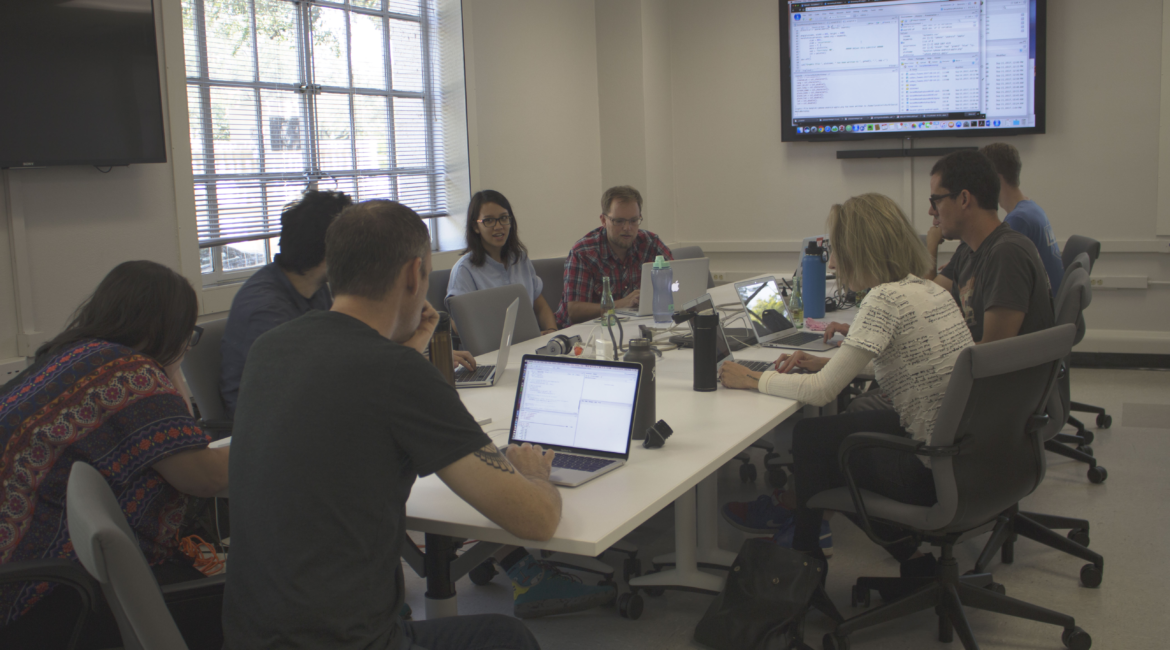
{"x":705,"y":330}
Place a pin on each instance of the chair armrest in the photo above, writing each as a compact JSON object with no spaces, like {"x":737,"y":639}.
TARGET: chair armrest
{"x":63,"y":572}
{"x":867,"y":440}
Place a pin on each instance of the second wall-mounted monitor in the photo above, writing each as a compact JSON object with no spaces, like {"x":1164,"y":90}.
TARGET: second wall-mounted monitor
{"x":859,"y":69}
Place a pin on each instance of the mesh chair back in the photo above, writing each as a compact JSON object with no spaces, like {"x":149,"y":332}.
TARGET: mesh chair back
{"x":1074,"y":296}
{"x":109,"y":551}
{"x":1078,"y":244}
{"x":551,"y":271}
{"x":693,"y":253}
{"x":995,"y":390}
{"x":479,"y":315}
{"x":437,"y":291}
{"x":201,"y":367}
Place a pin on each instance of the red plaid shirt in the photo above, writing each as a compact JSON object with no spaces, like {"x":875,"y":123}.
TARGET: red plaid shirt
{"x":591,"y":258}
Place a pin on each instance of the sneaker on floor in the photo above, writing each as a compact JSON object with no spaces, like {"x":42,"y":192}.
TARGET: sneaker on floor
{"x":765,"y":515}
{"x":540,"y":589}
{"x":784,"y":537}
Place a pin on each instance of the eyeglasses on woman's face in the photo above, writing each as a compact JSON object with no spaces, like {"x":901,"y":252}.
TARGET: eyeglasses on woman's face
{"x":491,"y":222}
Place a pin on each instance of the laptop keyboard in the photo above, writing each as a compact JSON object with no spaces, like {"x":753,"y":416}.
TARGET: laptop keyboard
{"x":797,"y":339}
{"x":757,"y":366}
{"x":580,"y":463}
{"x":465,"y":376}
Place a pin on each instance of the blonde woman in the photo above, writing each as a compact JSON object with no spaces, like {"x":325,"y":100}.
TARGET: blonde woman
{"x":909,"y":329}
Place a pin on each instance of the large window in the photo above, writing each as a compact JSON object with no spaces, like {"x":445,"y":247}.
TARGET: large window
{"x":285,"y":95}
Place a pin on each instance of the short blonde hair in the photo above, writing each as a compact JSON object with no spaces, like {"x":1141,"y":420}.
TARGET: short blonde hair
{"x":874,"y":243}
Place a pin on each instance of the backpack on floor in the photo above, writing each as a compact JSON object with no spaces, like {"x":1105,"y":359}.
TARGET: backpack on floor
{"x":763,"y":604}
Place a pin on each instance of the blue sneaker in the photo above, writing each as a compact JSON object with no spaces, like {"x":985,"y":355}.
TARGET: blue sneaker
{"x":764,"y":516}
{"x":540,"y":589}
{"x":784,"y":537}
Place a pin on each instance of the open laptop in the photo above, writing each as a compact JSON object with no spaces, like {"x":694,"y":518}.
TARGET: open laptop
{"x":583,"y":409}
{"x":722,"y":345}
{"x":690,"y":282}
{"x":488,"y":375}
{"x":765,"y":309}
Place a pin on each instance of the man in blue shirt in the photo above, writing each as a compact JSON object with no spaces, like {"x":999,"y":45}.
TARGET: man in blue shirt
{"x":1023,"y":215}
{"x":291,"y":286}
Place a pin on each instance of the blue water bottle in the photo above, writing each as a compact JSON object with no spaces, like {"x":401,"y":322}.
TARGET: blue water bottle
{"x":662,"y":277}
{"x":812,"y":269}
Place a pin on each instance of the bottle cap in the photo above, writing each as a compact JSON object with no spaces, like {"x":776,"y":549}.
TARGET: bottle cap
{"x":661,"y":263}
{"x":812,"y":248}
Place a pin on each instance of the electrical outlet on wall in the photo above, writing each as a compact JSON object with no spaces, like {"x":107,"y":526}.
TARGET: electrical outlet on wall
{"x":10,"y":368}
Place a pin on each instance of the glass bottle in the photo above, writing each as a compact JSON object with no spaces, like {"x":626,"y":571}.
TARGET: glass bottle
{"x":608,"y":317}
{"x":796,"y":305}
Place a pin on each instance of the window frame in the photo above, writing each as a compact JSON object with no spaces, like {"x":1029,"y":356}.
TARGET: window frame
{"x":313,"y":174}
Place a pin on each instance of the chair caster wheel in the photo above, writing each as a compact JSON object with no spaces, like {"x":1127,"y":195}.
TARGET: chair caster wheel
{"x":1104,"y":421}
{"x":997,"y":588}
{"x":1098,"y":474}
{"x":776,"y":478}
{"x":630,"y":606}
{"x":833,"y":642}
{"x":1091,"y":576}
{"x":1087,"y":436}
{"x":1080,"y":536}
{"x":748,"y":473}
{"x":483,"y":574}
{"x":860,"y":596}
{"x":1075,"y":638}
{"x":631,"y":568}
{"x":1085,"y":449}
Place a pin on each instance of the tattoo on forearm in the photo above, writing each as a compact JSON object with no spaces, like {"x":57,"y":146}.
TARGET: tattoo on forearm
{"x":493,"y":458}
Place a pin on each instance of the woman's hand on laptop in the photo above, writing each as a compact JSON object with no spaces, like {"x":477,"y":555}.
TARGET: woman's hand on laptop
{"x":734,"y":375}
{"x":531,"y":460}
{"x":630,"y":301}
{"x":800,"y":359}
{"x":835,"y":328}
{"x":463,"y":358}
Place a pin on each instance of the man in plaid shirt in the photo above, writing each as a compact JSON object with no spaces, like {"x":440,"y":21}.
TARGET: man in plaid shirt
{"x":617,"y":249}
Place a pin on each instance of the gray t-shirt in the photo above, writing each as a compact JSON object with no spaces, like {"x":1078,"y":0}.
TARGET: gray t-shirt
{"x":1005,"y":272}
{"x":334,"y":424}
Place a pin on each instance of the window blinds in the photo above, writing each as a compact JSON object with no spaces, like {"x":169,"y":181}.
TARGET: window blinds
{"x":285,"y":95}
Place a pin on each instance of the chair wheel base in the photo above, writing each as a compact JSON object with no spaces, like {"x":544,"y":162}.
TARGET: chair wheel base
{"x":1080,"y":536}
{"x":1091,"y":576}
{"x":483,"y":574}
{"x":1098,"y":474}
{"x":1104,"y":421}
{"x":1075,"y":638}
{"x":630,"y":606}
{"x":833,"y":642}
{"x":860,"y":596}
{"x":748,"y":473}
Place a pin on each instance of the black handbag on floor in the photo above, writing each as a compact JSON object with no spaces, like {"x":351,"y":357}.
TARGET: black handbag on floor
{"x":762,"y":607}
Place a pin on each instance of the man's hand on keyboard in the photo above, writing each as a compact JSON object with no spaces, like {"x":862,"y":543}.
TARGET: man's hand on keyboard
{"x":463,"y":358}
{"x":532,"y":461}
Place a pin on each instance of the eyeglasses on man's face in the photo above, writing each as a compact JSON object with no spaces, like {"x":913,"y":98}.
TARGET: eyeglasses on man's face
{"x":491,"y":222}
{"x":935,"y":198}
{"x":624,"y":223}
{"x":195,"y":336}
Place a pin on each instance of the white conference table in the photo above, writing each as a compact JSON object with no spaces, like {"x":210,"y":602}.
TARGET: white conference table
{"x":710,"y":428}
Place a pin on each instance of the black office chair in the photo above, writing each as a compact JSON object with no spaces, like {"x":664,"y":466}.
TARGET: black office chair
{"x":201,"y":367}
{"x":437,"y":291}
{"x":65,"y":574}
{"x":986,"y":455}
{"x":551,"y":271}
{"x":1076,"y":245}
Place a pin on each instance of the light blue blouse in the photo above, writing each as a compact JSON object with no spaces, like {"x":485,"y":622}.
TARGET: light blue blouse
{"x":466,"y":277}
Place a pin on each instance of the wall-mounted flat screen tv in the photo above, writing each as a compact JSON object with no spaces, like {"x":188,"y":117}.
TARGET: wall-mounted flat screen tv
{"x":859,"y":69}
{"x":79,"y":83}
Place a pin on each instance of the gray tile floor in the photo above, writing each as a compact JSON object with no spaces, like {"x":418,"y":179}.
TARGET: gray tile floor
{"x":1130,"y":527}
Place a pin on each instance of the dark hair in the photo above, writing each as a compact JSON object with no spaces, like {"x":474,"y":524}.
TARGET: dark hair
{"x":367,"y":245}
{"x":142,"y":305}
{"x":513,"y":249}
{"x":1006,"y":160}
{"x":620,"y":193}
{"x":302,"y":228}
{"x":971,"y":171}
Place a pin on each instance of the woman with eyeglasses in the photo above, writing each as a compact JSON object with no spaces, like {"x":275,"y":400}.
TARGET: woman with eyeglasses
{"x":495,"y":257}
{"x":107,"y":391}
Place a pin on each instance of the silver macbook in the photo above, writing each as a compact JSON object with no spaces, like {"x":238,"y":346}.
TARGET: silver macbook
{"x":690,"y":282}
{"x":488,"y":375}
{"x":722,"y":345}
{"x":583,"y":409}
{"x":765,"y":309}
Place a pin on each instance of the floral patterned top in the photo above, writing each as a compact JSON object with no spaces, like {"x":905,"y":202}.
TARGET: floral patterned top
{"x":103,"y":404}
